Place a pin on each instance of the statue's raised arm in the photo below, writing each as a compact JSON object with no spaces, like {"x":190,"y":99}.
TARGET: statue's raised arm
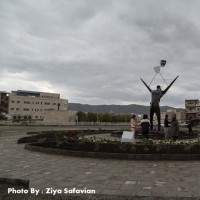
{"x":146,"y":85}
{"x":164,"y":91}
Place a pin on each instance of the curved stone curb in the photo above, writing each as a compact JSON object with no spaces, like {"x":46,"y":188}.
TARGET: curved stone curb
{"x":17,"y":182}
{"x":120,"y":156}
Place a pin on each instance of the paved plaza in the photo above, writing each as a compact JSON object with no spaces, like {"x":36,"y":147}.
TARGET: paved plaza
{"x":105,"y":176}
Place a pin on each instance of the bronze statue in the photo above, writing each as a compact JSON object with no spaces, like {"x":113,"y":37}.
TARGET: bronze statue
{"x":156,"y":95}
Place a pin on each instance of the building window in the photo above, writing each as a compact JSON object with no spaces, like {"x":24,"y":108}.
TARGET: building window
{"x":26,"y":109}
{"x":36,"y":117}
{"x":13,"y":101}
{"x":18,"y":101}
{"x":17,"y":108}
{"x":12,"y":109}
{"x":54,"y":103}
{"x":26,"y":102}
{"x":46,"y":103}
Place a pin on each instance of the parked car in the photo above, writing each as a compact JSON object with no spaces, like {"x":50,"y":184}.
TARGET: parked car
{"x":183,"y":124}
{"x":4,"y":116}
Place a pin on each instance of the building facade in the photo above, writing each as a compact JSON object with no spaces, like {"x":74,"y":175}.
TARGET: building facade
{"x":30,"y":105}
{"x":180,"y":116}
{"x":4,"y":99}
{"x":192,"y":109}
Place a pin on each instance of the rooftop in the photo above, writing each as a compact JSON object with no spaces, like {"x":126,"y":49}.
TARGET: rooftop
{"x":26,"y":92}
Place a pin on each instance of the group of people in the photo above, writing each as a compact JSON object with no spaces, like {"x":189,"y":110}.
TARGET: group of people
{"x":171,"y":129}
{"x":145,"y":125}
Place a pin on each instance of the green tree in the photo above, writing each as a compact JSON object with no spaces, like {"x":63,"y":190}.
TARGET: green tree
{"x":82,"y":117}
{"x":106,"y":117}
{"x":92,"y":117}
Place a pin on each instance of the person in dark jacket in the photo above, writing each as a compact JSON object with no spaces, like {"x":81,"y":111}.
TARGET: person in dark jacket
{"x":166,"y":127}
{"x":145,"y":125}
{"x":174,"y":128}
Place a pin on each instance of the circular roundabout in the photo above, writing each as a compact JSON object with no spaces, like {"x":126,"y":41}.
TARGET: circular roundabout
{"x":107,"y":144}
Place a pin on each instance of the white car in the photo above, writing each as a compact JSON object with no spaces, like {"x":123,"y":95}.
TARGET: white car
{"x":183,"y":124}
{"x":5,"y":116}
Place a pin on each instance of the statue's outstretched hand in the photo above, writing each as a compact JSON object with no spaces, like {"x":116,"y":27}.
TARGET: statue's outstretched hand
{"x":146,"y":85}
{"x":164,"y":91}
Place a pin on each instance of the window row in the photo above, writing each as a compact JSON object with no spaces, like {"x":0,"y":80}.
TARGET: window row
{"x":47,"y":96}
{"x":28,"y":102}
{"x":38,"y":117}
{"x":27,"y":109}
{"x":26,"y":117}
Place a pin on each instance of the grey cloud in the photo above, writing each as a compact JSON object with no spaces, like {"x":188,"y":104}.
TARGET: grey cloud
{"x":95,"y":51}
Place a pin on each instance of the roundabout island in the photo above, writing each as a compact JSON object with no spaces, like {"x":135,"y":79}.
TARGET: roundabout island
{"x":106,"y":144}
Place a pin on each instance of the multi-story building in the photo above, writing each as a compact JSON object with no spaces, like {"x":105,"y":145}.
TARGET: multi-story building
{"x":192,"y":109}
{"x":28,"y":105}
{"x":180,"y":116}
{"x":3,"y":102}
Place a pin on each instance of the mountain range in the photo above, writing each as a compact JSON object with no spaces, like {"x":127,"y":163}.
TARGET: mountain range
{"x":117,"y":109}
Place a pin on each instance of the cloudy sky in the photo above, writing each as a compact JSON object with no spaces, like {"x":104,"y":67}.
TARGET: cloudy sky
{"x":96,"y":51}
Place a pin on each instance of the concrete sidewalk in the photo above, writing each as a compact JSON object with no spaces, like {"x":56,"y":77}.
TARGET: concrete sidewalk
{"x":107,"y":177}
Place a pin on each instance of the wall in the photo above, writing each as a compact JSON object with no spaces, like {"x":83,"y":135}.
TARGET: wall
{"x":56,"y":117}
{"x":73,"y":118}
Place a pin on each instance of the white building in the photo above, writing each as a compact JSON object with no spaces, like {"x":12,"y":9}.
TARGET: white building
{"x":31,"y":105}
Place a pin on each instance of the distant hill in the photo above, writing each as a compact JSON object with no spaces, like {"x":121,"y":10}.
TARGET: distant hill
{"x":116,"y":109}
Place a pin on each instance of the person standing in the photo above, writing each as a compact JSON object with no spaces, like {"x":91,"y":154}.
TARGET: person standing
{"x":145,"y":125}
{"x":190,"y":124}
{"x":166,"y":127}
{"x":133,"y":124}
{"x":174,"y":128}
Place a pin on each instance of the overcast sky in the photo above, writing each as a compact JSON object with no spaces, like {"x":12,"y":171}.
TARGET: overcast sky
{"x":96,"y":51}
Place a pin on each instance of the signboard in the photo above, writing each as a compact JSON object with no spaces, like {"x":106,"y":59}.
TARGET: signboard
{"x":128,"y":136}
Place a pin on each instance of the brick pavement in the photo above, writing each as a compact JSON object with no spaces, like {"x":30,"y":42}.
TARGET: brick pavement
{"x":110,"y":177}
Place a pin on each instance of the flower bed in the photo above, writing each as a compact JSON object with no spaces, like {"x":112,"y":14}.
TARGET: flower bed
{"x":50,"y":136}
{"x":76,"y":144}
{"x":157,"y":135}
{"x":103,"y":145}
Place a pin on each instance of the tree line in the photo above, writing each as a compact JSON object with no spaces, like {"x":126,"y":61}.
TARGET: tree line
{"x":102,"y":117}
